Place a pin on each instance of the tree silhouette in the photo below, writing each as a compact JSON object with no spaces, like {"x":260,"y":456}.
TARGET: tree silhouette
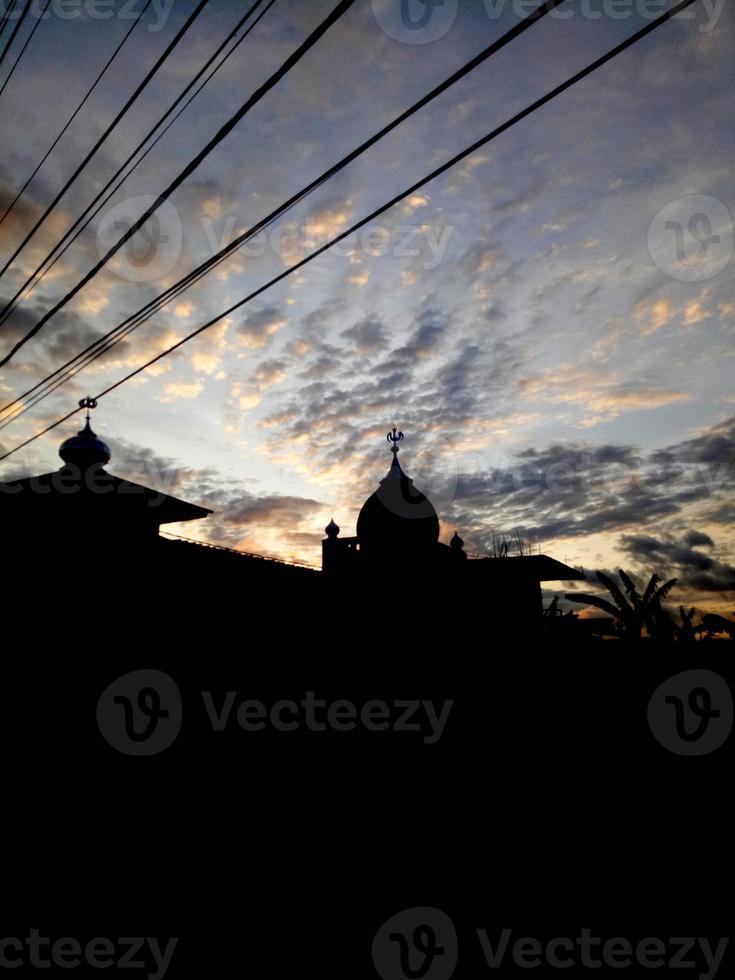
{"x":687,"y":631}
{"x":633,"y":611}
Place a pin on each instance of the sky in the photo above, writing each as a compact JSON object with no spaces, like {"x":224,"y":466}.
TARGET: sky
{"x":550,"y":323}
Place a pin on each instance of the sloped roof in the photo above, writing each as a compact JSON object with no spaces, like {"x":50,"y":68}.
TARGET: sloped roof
{"x":540,"y":568}
{"x":99,"y":492}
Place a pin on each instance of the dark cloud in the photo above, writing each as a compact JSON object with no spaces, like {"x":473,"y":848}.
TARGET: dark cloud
{"x":715,"y":447}
{"x":697,"y":539}
{"x":428,"y":336}
{"x":672,"y":558}
{"x":367,"y":336}
{"x":164,"y":473}
{"x":258,"y":328}
{"x":274,"y":510}
{"x":573,"y":490}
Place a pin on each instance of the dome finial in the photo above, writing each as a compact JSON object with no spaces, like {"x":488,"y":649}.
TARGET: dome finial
{"x":395,"y":437}
{"x":88,"y":403}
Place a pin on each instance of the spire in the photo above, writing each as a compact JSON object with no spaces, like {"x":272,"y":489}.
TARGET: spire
{"x":88,"y":403}
{"x":395,"y":471}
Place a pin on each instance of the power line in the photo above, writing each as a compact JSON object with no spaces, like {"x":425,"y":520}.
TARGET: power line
{"x":5,"y":19}
{"x":91,"y":211}
{"x":472,"y":148}
{"x":78,"y":109}
{"x":193,"y":164}
{"x":148,"y":310}
{"x":27,"y":42}
{"x":15,"y":30}
{"x":138,"y":91}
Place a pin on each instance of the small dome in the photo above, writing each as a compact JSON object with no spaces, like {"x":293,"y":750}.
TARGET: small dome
{"x":332,"y":529}
{"x":456,"y":542}
{"x":85,"y":449}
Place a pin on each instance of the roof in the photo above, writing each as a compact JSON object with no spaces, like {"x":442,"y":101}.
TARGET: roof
{"x":97,"y":491}
{"x":540,"y":568}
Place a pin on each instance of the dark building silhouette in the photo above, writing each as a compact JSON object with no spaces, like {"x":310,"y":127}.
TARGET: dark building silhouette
{"x":106,"y":529}
{"x":82,"y":509}
{"x":397,"y":544}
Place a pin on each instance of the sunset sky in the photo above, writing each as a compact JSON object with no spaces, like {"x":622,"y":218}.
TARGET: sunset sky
{"x":556,"y":365}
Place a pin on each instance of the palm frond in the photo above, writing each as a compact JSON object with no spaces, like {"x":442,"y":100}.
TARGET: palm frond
{"x":618,"y":597}
{"x":663,"y":590}
{"x":627,"y":581}
{"x":593,"y":600}
{"x":650,"y":589}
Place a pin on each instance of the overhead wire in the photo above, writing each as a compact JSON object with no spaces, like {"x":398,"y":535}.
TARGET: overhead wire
{"x":105,"y":194}
{"x":113,"y":125}
{"x":25,"y":45}
{"x":76,"y":112}
{"x":341,"y":8}
{"x":457,"y":158}
{"x":104,"y":343}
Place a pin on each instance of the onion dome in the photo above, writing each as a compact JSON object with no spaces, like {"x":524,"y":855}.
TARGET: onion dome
{"x":332,"y":529}
{"x":456,"y":542}
{"x":397,"y":520}
{"x":85,"y":449}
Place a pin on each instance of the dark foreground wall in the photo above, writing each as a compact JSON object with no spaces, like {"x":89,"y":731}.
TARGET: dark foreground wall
{"x":545,"y":805}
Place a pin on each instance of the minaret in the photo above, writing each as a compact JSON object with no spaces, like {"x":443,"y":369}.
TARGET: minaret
{"x":331,"y":548}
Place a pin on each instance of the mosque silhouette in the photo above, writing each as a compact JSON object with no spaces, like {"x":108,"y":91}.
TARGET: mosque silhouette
{"x":82,"y":521}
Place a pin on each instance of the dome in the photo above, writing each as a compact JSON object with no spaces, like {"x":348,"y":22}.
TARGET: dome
{"x":397,"y":519}
{"x":332,"y":529}
{"x":84,"y":449}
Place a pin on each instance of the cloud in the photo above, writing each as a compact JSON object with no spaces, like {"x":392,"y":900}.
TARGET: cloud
{"x":361,"y":278}
{"x":576,"y":490}
{"x":654,"y":314}
{"x":258,"y":329}
{"x":366,"y":336}
{"x":601,"y":397}
{"x":327,"y":220}
{"x":174,"y":391}
{"x":413,"y":202}
{"x":670,"y":557}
